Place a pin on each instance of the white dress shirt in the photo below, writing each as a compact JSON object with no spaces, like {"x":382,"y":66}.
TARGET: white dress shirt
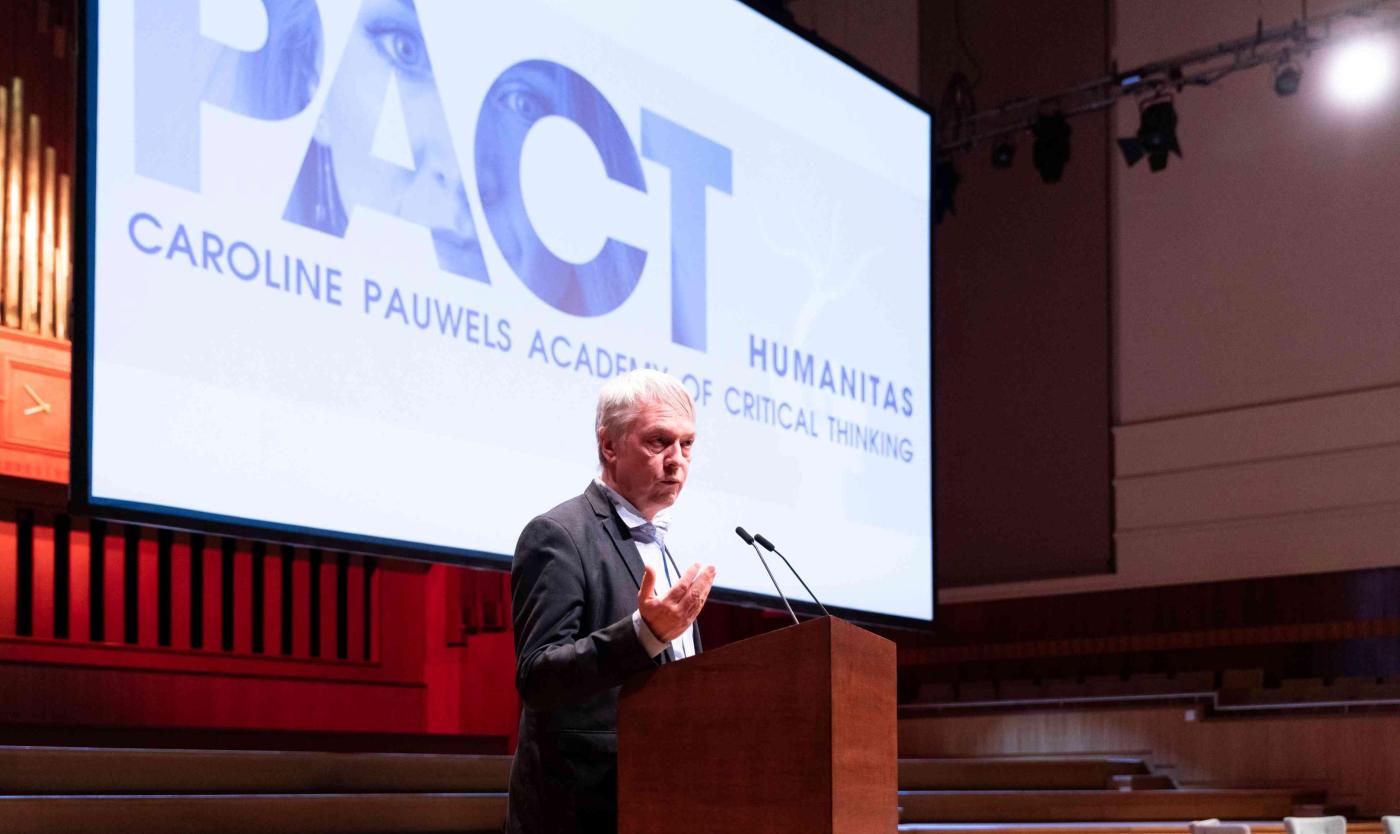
{"x":655,"y":556}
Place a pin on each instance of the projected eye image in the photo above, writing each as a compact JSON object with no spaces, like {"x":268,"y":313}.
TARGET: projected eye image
{"x":358,"y":271}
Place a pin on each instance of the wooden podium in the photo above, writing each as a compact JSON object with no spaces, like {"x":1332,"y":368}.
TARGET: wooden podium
{"x":791,"y":731}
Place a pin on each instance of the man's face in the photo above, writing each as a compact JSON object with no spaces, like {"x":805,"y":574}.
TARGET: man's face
{"x":648,"y":464}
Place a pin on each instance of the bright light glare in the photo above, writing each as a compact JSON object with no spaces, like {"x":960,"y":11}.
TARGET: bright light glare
{"x":1361,"y":72}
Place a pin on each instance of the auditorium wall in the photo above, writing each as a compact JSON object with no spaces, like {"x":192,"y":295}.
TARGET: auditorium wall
{"x":1022,"y":324}
{"x":1255,"y":355}
{"x":881,"y":34}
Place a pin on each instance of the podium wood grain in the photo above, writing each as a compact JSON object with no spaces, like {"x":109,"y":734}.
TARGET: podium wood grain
{"x":791,"y":731}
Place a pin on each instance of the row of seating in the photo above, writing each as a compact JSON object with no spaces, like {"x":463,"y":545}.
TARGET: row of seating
{"x":89,"y":789}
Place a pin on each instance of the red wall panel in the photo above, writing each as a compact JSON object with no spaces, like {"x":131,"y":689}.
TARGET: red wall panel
{"x":272,"y":602}
{"x":211,"y":597}
{"x":79,"y":584}
{"x":8,"y":578}
{"x":180,"y":594}
{"x":43,"y":582}
{"x":148,"y":597}
{"x":243,"y":599}
{"x":327,"y":632}
{"x":138,"y":698}
{"x":113,"y":593}
{"x":355,"y":614}
{"x":301,"y":612}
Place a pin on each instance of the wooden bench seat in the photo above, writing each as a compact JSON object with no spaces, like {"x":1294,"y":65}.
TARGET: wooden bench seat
{"x":1015,"y":773}
{"x":1100,"y":805}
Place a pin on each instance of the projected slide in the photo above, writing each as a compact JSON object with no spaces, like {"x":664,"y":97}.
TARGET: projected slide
{"x":358,"y":270}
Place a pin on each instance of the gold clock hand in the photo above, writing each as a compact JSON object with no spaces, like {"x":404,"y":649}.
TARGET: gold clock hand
{"x":38,"y":400}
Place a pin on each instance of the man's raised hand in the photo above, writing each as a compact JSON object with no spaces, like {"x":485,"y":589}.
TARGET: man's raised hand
{"x":669,"y":616}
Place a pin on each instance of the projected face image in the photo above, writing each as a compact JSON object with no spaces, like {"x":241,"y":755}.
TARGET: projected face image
{"x":649,"y":463}
{"x":520,"y":97}
{"x":340,"y":170}
{"x":387,"y":35}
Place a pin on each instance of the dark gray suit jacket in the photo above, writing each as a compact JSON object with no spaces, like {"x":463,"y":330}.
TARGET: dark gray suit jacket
{"x":574,"y":584}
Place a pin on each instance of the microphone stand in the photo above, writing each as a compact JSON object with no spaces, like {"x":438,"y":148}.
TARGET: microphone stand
{"x":761,"y":540}
{"x":743,"y":534}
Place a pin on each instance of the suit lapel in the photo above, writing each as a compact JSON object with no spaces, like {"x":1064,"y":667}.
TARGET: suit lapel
{"x":618,"y":534}
{"x":621,"y":539}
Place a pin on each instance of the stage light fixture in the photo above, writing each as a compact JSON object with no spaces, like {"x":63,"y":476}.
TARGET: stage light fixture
{"x":1051,"y":149}
{"x":1362,"y":71}
{"x":1155,"y":138}
{"x":1288,"y":77}
{"x":1003,"y":154}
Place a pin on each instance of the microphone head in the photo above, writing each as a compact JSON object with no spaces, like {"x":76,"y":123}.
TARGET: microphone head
{"x":744,"y":534}
{"x":758,"y":537}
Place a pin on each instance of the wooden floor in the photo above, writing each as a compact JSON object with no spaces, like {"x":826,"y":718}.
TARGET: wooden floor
{"x":49,"y":789}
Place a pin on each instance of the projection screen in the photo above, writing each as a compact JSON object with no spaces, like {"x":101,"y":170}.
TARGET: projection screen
{"x":357,"y":270}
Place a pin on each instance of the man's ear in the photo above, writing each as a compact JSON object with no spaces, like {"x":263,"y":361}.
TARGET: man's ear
{"x":606,"y":446}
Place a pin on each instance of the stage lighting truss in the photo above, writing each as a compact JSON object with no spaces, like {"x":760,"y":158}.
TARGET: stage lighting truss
{"x":1281,"y":47}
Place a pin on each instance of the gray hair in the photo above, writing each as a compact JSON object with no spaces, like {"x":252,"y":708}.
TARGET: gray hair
{"x":623,"y":397}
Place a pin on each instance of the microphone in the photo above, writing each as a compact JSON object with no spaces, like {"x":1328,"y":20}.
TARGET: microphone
{"x":758,"y":537}
{"x":744,"y":534}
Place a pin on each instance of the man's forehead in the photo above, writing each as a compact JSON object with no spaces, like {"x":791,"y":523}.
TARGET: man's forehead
{"x":661,"y":414}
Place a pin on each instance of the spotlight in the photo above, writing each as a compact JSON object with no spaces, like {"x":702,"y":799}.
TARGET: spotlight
{"x":1003,"y":154}
{"x":1361,"y":71}
{"x":1288,"y":77}
{"x":945,"y":187}
{"x":1156,"y":136}
{"x":1051,"y":149}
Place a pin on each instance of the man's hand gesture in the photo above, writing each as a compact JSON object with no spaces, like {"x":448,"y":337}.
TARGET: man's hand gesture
{"x":669,"y":616}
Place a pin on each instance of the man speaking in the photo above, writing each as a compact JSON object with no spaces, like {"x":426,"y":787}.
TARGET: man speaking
{"x":598,"y":597}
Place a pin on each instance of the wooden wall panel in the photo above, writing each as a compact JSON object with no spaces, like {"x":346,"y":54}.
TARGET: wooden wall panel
{"x":1351,"y":755}
{"x":1311,"y":486}
{"x":1282,"y":430}
{"x":1285,"y":487}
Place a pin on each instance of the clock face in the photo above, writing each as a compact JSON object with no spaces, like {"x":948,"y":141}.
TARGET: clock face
{"x":34,"y":414}
{"x":36,"y":405}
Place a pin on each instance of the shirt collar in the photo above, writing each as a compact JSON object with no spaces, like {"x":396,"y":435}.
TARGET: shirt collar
{"x":629,"y":514}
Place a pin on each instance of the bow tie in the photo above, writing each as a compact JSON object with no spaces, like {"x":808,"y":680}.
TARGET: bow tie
{"x":654,"y":531}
